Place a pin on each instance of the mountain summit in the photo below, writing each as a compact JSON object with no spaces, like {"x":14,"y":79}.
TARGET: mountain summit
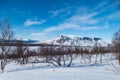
{"x":76,"y":41}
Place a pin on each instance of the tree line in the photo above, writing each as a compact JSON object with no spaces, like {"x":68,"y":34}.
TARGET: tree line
{"x":56,"y":55}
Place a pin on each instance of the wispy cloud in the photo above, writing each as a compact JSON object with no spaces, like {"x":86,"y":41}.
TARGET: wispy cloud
{"x":75,"y":23}
{"x":58,"y":12}
{"x":71,"y":26}
{"x":84,"y":19}
{"x":30,"y":22}
{"x":114,"y":16}
{"x":57,"y":28}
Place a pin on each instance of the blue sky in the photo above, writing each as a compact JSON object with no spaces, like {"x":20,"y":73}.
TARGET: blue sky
{"x":47,"y":19}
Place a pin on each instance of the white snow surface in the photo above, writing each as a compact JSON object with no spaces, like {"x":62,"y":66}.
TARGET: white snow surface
{"x":44,"y":71}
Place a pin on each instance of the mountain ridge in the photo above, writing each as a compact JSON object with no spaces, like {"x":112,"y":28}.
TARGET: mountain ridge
{"x":63,"y":39}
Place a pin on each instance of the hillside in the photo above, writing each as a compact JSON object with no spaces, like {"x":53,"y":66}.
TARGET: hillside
{"x":77,"y":41}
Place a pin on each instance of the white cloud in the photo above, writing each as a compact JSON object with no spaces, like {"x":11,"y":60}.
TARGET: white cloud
{"x":30,"y":22}
{"x":115,"y":15}
{"x":56,"y":28}
{"x":80,"y":21}
{"x":39,"y":34}
{"x":84,"y":19}
{"x":55,"y":13}
{"x":65,"y":26}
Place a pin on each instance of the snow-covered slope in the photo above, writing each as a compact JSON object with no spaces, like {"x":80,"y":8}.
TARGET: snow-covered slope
{"x":76,"y":41}
{"x":43,"y":71}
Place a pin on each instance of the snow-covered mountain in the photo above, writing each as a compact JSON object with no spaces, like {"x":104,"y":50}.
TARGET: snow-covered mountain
{"x":76,"y":41}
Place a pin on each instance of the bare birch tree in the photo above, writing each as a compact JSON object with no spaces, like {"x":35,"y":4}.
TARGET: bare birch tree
{"x":116,"y":44}
{"x":6,"y":34}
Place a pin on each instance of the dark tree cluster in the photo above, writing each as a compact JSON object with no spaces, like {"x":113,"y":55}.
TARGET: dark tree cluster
{"x":116,"y":44}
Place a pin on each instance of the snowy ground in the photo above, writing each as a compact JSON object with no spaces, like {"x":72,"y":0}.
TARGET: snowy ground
{"x":47,"y":72}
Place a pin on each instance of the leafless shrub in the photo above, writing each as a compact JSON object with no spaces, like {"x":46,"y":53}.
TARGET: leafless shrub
{"x":6,"y":35}
{"x":116,"y":44}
